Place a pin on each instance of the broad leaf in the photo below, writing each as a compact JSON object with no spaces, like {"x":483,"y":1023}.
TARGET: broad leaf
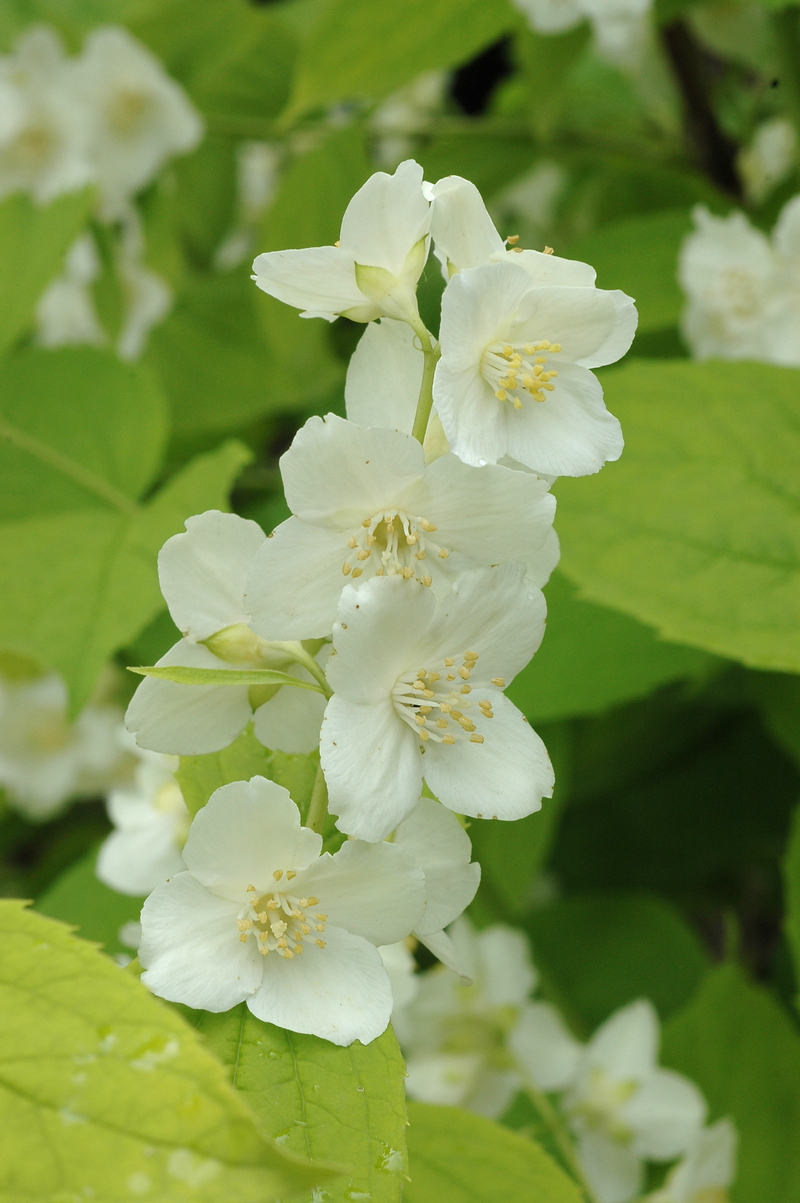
{"x":106,"y":1093}
{"x":791,"y":880}
{"x":696,"y":530}
{"x":742,"y":1049}
{"x":184,"y":675}
{"x":320,"y":1101}
{"x":461,"y":1157}
{"x":778,"y":695}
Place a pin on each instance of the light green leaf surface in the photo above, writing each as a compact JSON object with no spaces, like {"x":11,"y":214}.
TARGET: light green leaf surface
{"x":791,"y":885}
{"x":459,"y":1157}
{"x":743,"y":1051}
{"x":79,"y":898}
{"x":344,"y":1105}
{"x":106,"y":1093}
{"x":199,"y":776}
{"x":593,"y":658}
{"x":184,"y":675}
{"x":34,"y":239}
{"x":696,"y":530}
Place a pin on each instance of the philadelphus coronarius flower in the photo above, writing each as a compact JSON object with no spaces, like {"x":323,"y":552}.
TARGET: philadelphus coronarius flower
{"x":66,"y":315}
{"x":374,"y":267}
{"x":743,"y":288}
{"x":203,"y":574}
{"x":418,"y":692}
{"x":365,"y":505}
{"x":618,"y":25}
{"x":622,"y":1107}
{"x":259,"y":915}
{"x":707,"y":1170}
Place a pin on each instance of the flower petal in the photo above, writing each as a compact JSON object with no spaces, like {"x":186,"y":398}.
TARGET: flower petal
{"x":665,"y":1115}
{"x":586,"y":322}
{"x":506,"y":973}
{"x":340,"y":992}
{"x":203,"y":572}
{"x":291,"y":720}
{"x":547,"y":270}
{"x":462,"y":230}
{"x":191,"y":949}
{"x":137,"y":860}
{"x":386,"y":218}
{"x":188,"y":720}
{"x":246,"y":831}
{"x":443,"y":948}
{"x":437,"y":842}
{"x":321,"y":279}
{"x":626,"y":1045}
{"x":372,"y":766}
{"x":384,"y":376}
{"x":295,"y":581}
{"x":471,"y":416}
{"x":614,"y":1172}
{"x":544,"y":1048}
{"x":505,"y":777}
{"x":372,"y":890}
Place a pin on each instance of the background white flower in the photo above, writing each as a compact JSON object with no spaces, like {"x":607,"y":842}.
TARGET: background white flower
{"x":66,"y":314}
{"x":706,"y":1171}
{"x":365,"y":504}
{"x":259,"y":915}
{"x":418,"y":693}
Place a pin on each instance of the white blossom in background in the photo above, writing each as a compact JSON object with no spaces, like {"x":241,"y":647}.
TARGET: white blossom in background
{"x":151,"y":824}
{"x":140,"y":117}
{"x":365,"y":504}
{"x":146,"y":295}
{"x":707,"y":1170}
{"x":260,"y":916}
{"x":743,"y":288}
{"x":528,"y":206}
{"x":66,"y":314}
{"x":768,"y":159}
{"x":418,"y":693}
{"x":257,"y":172}
{"x":374,"y":267}
{"x":203,"y":574}
{"x":405,"y":114}
{"x":620,"y":27}
{"x":623,"y":1109}
{"x":44,"y":758}
{"x":454,"y":1034}
{"x":44,"y":127}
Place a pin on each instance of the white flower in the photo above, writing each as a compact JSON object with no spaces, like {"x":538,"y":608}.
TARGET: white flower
{"x":622,"y":1107}
{"x":768,"y":159}
{"x":366,"y":505}
{"x":151,"y":824}
{"x":419,"y":693}
{"x":405,"y":113}
{"x":257,"y":172}
{"x":454,"y":1035}
{"x":375,"y":266}
{"x":256,"y":895}
{"x":45,"y":129}
{"x":203,"y":575}
{"x":743,"y":289}
{"x":707,"y":1170}
{"x":400,"y":967}
{"x":147,"y":296}
{"x":514,"y":375}
{"x":66,"y":315}
{"x":44,"y":758}
{"x":618,"y":25}
{"x":140,"y":117}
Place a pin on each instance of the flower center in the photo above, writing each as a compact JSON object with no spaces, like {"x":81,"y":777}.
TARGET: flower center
{"x":127,"y":109}
{"x":599,"y":1107}
{"x":50,"y":734}
{"x":33,"y":146}
{"x":392,"y":542}
{"x":514,"y":369}
{"x":435,"y":702}
{"x":278,"y":920}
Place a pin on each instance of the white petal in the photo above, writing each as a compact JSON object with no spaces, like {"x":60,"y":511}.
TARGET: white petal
{"x":472,"y":418}
{"x":191,"y":949}
{"x":340,"y":992}
{"x":372,"y":890}
{"x":541,"y":564}
{"x":442,"y":947}
{"x":786,"y":235}
{"x":291,"y":720}
{"x":203,"y":572}
{"x":545,"y":1050}
{"x":447,"y":1079}
{"x":626,"y":1045}
{"x":505,"y":777}
{"x":592,"y":325}
{"x":462,"y":230}
{"x":507,"y":975}
{"x":401,"y":968}
{"x":614,"y":1172}
{"x":571,"y":433}
{"x":135,"y":862}
{"x":620,"y":336}
{"x":321,"y":279}
{"x":441,"y":847}
{"x":188,"y":720}
{"x":386,"y":218}
{"x":372,"y":767}
{"x":337,"y":473}
{"x":246,"y":831}
{"x":377,"y":636}
{"x":295,"y":582}
{"x":480,"y":306}
{"x":547,"y":270}
{"x":711,"y":1162}
{"x":384,"y":376}
{"x":665,"y":1115}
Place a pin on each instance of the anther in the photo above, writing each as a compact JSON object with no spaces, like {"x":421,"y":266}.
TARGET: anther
{"x":426,"y":525}
{"x":424,"y":710}
{"x":499,"y":682}
{"x":407,"y":573}
{"x":448,"y":739}
{"x":366,"y":522}
{"x":262,"y":917}
{"x":423,"y":735}
{"x":363,"y":555}
{"x":357,"y":572}
{"x":346,"y":569}
{"x":351,"y":542}
{"x":421,"y":719}
{"x":548,"y":250}
{"x":441,"y":723}
{"x":319,"y":943}
{"x":463,"y":672}
{"x":278,"y":874}
{"x":427,"y":581}
{"x":443,"y":553}
{"x":243,"y":938}
{"x":476,"y":739}
{"x":315,"y":902}
{"x":418,"y":684}
{"x":449,"y":661}
{"x":434,"y":677}
{"x":501,"y":395}
{"x":419,"y":555}
{"x":471,"y":656}
{"x":273,"y":905}
{"x":428,"y":693}
{"x":512,"y":239}
{"x":291,"y":874}
{"x":465,"y":689}
{"x":450,"y":677}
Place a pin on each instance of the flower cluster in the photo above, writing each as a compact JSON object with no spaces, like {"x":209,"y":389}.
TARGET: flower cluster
{"x":383,"y":621}
{"x":477,"y":1044}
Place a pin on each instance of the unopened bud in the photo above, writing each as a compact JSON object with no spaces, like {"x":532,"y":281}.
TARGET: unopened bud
{"x":239,"y":645}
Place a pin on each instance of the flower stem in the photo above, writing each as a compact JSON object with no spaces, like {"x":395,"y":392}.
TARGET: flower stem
{"x":560,"y":1136}
{"x":431,"y":352}
{"x":318,"y":806}
{"x":301,"y":656}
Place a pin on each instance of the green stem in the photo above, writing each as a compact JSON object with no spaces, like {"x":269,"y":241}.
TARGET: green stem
{"x":559,"y":1133}
{"x":299,"y":653}
{"x":318,"y":806}
{"x":431,"y":352}
{"x":786,"y":27}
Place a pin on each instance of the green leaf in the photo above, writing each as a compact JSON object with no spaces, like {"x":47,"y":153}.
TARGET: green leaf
{"x":598,"y":951}
{"x":594,"y":658}
{"x":79,"y":898}
{"x":640,"y":256}
{"x":460,"y":1157}
{"x":778,"y":695}
{"x":791,"y":880}
{"x":317,"y":1100}
{"x":35,"y":239}
{"x":106,"y":1093}
{"x":359,"y":49}
{"x":741,"y":1048}
{"x":696,"y":531}
{"x":223,"y":676}
{"x":199,"y":776}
